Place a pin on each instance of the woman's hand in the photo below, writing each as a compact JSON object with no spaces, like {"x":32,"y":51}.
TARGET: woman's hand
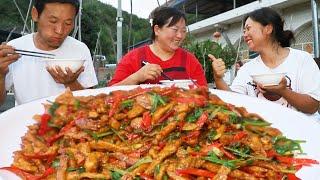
{"x":277,"y":89}
{"x":7,"y":56}
{"x":148,"y":72}
{"x":218,"y":67}
{"x":66,"y":77}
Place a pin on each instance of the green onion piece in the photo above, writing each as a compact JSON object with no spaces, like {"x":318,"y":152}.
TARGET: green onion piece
{"x":227,"y":163}
{"x":117,"y":133}
{"x":77,"y":104}
{"x":53,"y":108}
{"x":193,"y":117}
{"x":156,"y":101}
{"x":127,"y":103}
{"x":56,"y":163}
{"x":115,"y":175}
{"x":141,"y":161}
{"x":256,"y":122}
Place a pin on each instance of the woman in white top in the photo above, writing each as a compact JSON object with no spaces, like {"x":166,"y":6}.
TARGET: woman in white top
{"x":264,"y":34}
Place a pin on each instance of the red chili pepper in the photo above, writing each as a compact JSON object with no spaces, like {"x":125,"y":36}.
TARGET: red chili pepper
{"x":161,"y":145}
{"x":227,"y":154}
{"x":202,"y":119}
{"x":271,"y":153}
{"x":239,"y":135}
{"x":146,"y":121}
{"x":296,"y":161}
{"x":48,"y":157}
{"x":298,"y":167}
{"x":112,"y":159}
{"x":66,"y":128}
{"x":132,"y":136}
{"x":21,"y":173}
{"x":39,"y":156}
{"x":181,"y":124}
{"x":191,"y":137}
{"x":166,"y":116}
{"x":219,"y":146}
{"x":29,"y":176}
{"x":47,"y":172}
{"x":135,"y":154}
{"x":172,"y":89}
{"x":44,"y":124}
{"x":114,"y":106}
{"x":292,"y":177}
{"x":197,"y":172}
{"x":146,"y":177}
{"x":200,"y":101}
{"x":139,"y":92}
{"x":193,"y":153}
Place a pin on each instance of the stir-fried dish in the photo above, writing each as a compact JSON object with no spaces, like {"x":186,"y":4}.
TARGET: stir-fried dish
{"x":154,"y":133}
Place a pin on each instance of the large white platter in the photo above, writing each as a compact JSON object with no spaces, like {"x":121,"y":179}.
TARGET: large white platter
{"x":294,"y":125}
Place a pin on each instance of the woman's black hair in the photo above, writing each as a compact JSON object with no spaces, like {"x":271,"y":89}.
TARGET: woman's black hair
{"x":39,"y":4}
{"x":266,"y":16}
{"x":162,"y":15}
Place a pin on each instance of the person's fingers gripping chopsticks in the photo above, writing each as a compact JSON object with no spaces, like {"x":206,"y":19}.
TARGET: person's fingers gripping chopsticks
{"x":149,"y":72}
{"x":7,"y":56}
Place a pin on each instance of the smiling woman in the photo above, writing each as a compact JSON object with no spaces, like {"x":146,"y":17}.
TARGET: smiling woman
{"x":163,"y":55}
{"x":264,"y":33}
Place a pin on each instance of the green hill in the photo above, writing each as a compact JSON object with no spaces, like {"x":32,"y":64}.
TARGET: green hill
{"x":96,"y":17}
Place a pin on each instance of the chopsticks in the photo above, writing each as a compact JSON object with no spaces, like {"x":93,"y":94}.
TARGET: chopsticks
{"x":34,"y":54}
{"x":162,"y":73}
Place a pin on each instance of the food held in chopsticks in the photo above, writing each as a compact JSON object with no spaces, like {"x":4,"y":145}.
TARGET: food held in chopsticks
{"x":154,"y":133}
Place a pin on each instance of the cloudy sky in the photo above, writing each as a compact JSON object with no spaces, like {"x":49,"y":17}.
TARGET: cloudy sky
{"x":141,"y":8}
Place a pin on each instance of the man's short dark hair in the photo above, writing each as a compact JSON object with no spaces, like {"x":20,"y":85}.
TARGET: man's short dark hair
{"x":39,"y":4}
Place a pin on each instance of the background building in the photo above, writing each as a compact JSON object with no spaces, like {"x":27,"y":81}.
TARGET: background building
{"x":226,"y":17}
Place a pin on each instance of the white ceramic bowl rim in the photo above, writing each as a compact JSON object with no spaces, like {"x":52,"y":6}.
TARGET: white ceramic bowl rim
{"x":64,"y":59}
{"x":270,"y":74}
{"x":177,"y":81}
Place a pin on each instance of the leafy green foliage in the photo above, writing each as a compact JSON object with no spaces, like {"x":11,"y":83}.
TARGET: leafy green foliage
{"x":202,"y":49}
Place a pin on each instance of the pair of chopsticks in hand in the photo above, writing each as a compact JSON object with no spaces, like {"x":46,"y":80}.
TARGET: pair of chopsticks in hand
{"x":29,"y":53}
{"x":162,"y":73}
{"x":34,"y":54}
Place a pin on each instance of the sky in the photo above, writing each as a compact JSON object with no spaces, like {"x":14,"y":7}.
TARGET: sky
{"x":141,"y":8}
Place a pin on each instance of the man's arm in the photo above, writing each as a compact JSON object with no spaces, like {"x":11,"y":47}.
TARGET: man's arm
{"x":7,"y":56}
{"x":3,"y":93}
